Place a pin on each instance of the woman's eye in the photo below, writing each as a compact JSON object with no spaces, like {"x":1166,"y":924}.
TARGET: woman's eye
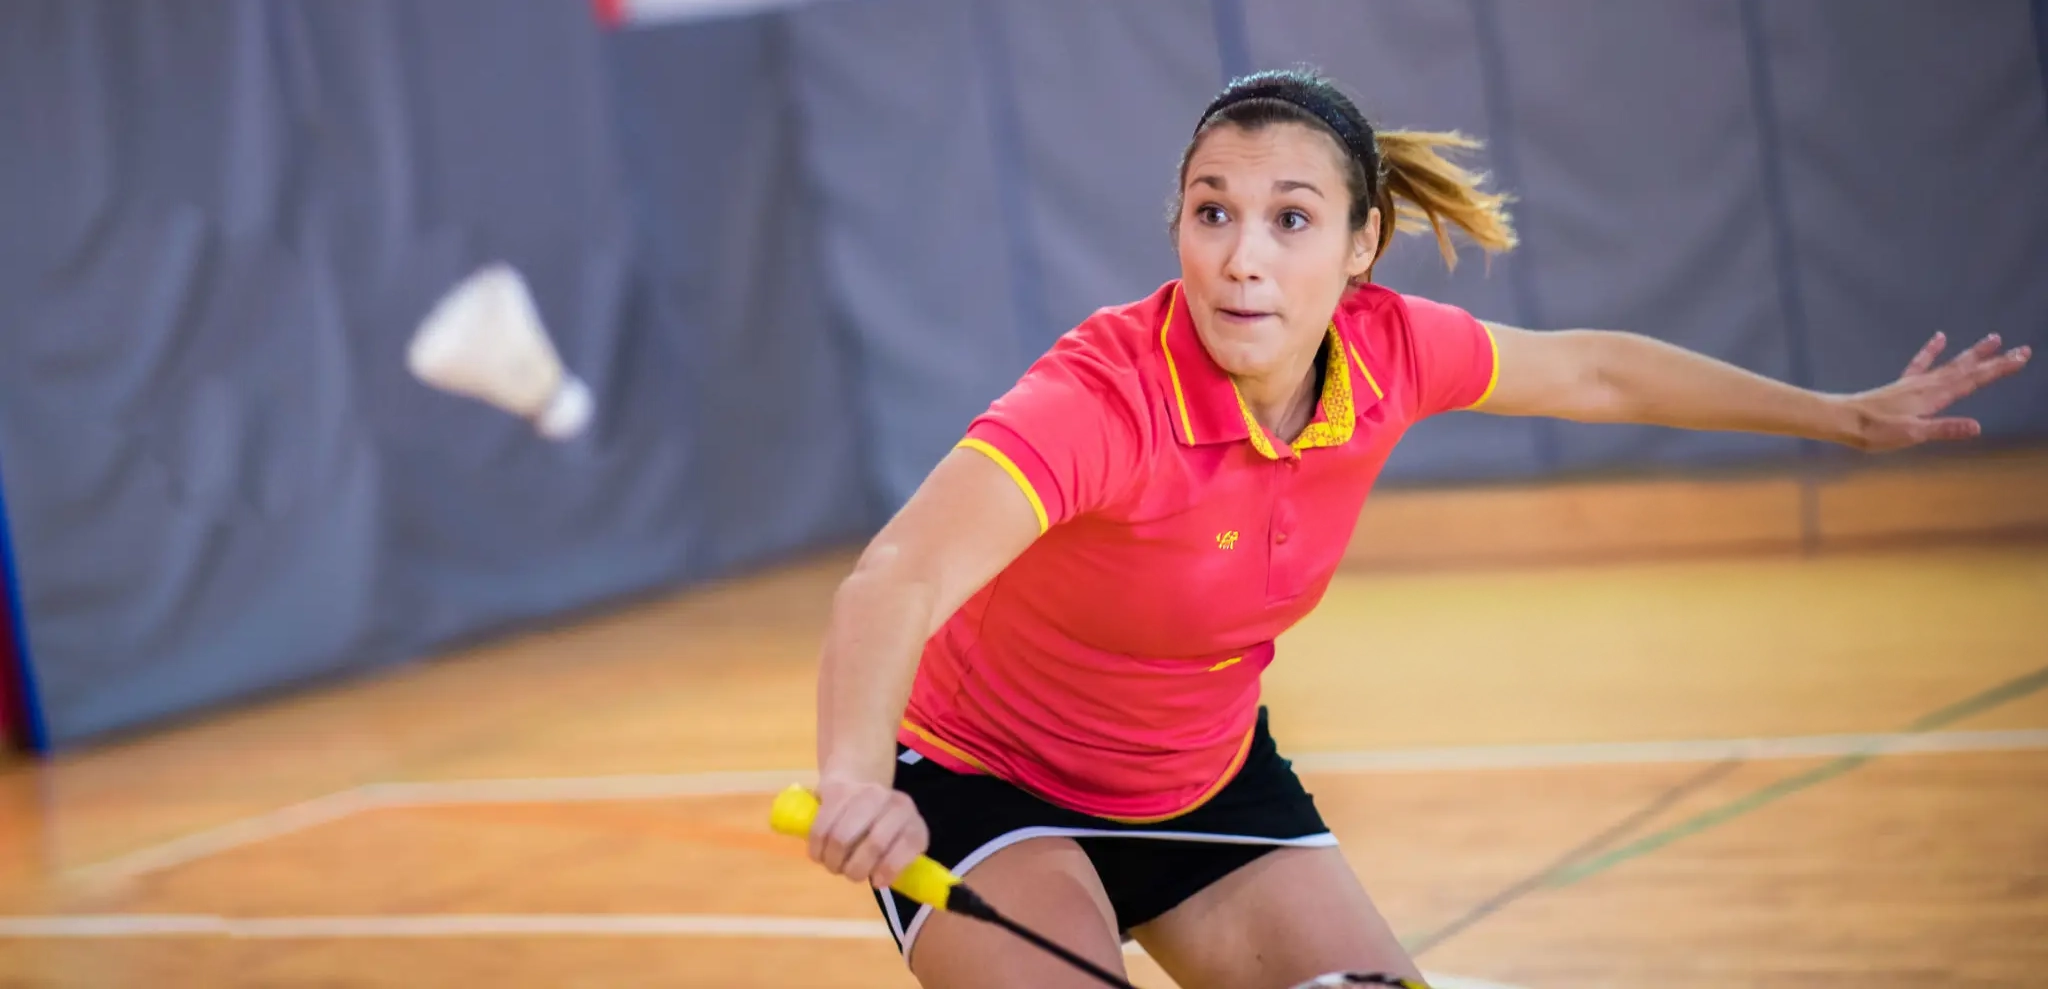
{"x":1211,"y":214}
{"x":1293,"y":219}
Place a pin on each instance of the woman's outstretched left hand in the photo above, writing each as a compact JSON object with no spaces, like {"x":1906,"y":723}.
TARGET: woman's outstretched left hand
{"x":1907,"y":412}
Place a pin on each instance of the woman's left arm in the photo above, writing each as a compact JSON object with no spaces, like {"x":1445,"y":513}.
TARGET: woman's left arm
{"x":1608,"y":376}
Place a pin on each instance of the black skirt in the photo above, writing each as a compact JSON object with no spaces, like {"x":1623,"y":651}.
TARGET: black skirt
{"x":1147,"y":869}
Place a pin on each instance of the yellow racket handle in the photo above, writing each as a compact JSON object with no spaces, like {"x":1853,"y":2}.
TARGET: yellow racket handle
{"x":924,"y":880}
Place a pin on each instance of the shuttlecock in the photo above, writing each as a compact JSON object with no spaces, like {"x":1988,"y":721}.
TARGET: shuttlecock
{"x":485,"y":340}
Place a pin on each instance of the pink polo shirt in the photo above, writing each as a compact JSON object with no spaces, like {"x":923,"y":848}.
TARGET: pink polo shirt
{"x":1113,"y":668}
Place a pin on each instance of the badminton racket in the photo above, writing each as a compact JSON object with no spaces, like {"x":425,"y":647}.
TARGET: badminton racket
{"x":932,"y":884}
{"x":926,"y":881}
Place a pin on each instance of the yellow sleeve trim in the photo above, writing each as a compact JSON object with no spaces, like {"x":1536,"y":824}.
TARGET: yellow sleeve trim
{"x":1010,"y":468}
{"x":1494,"y":378}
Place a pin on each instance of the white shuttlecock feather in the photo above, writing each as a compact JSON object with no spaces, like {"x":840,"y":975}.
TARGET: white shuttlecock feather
{"x":485,"y":340}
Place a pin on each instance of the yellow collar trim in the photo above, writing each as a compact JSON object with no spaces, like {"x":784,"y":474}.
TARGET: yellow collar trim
{"x":1340,"y":416}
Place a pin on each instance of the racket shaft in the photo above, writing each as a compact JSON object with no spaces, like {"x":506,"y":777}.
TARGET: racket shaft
{"x":1107,"y":977}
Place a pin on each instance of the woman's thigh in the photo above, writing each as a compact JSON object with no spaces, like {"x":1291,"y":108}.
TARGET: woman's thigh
{"x":1285,"y":918}
{"x":1046,"y":884}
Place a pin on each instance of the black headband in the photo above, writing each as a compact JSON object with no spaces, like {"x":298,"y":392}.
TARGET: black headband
{"x":1359,"y":145}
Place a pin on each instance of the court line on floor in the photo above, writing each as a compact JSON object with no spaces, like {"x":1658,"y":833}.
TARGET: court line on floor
{"x":1566,"y":756}
{"x":1600,"y":842}
{"x":133,"y":926}
{"x":1599,"y":854}
{"x":90,"y":926}
{"x":226,"y":837}
{"x":1923,"y":727}
{"x":383,"y":796}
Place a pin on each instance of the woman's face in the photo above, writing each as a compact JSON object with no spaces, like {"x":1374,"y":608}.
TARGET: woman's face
{"x":1266,"y":249}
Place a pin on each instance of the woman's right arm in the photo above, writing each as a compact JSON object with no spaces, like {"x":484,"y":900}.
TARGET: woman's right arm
{"x":964,"y":524}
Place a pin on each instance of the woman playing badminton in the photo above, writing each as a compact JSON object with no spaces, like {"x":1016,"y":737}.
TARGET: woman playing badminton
{"x":1044,"y":671}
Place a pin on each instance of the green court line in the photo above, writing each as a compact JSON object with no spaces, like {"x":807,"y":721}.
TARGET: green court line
{"x":1536,"y":880}
{"x":2004,"y":693}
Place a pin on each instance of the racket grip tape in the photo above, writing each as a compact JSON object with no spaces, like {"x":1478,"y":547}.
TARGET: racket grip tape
{"x":924,"y":880}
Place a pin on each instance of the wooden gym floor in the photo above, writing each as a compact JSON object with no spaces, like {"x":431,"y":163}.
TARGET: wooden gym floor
{"x":1751,"y":771}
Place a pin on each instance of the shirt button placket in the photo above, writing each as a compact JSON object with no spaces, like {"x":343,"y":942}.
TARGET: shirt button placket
{"x":1279,"y":574}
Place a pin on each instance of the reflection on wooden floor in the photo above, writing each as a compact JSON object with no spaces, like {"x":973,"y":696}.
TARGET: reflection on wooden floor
{"x":585,"y":807}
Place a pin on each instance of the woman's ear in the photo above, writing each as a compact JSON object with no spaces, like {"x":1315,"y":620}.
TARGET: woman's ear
{"x":1365,"y":243}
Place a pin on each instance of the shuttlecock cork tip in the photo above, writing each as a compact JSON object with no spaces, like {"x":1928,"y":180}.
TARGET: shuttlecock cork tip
{"x":569,"y":412}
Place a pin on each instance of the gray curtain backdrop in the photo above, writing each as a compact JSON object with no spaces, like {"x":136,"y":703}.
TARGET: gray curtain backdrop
{"x":795,"y":252}
{"x":222,"y":222}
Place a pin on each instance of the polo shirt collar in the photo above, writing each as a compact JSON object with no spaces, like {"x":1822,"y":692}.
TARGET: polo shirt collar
{"x":1207,"y":407}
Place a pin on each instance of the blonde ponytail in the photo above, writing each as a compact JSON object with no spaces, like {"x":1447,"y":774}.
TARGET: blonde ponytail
{"x":1424,"y":190}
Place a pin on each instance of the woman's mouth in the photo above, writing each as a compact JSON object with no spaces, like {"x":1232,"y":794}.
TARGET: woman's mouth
{"x":1242,"y":315}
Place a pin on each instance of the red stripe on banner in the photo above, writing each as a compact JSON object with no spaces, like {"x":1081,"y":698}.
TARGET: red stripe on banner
{"x":610,"y":13}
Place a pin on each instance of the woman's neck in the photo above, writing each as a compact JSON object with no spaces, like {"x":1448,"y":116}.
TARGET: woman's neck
{"x":1285,"y":402}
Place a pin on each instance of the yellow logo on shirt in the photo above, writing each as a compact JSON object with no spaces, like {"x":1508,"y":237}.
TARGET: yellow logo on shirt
{"x":1226,"y":540}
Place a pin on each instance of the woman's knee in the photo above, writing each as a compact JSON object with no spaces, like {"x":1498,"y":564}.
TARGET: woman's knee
{"x":1046,"y":884}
